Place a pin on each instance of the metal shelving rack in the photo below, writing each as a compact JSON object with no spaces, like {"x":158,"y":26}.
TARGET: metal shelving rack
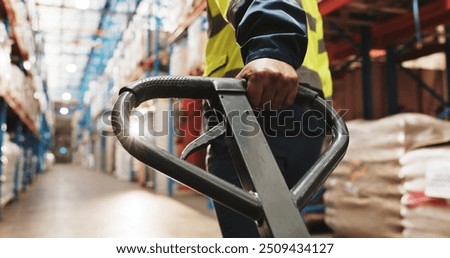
{"x":397,"y":34}
{"x":98,"y":63}
{"x":34,"y":137}
{"x":176,"y":35}
{"x":110,"y":21}
{"x":3,"y":109}
{"x":151,"y":66}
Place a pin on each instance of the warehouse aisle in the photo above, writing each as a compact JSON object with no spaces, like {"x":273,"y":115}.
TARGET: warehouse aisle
{"x":70,"y":201}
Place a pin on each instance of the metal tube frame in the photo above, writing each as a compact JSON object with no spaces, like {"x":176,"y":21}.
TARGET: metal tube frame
{"x":363,"y":50}
{"x":391,"y":77}
{"x":425,"y":86}
{"x":446,"y":113}
{"x":265,"y":197}
{"x":148,"y":178}
{"x":27,"y":177}
{"x":258,"y":170}
{"x":103,"y":153}
{"x":416,"y":13}
{"x":344,"y":35}
{"x":3,"y":113}
{"x":366,"y":35}
{"x":19,"y":138}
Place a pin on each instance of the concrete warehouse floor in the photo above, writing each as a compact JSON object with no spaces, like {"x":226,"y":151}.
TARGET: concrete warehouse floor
{"x":70,"y":201}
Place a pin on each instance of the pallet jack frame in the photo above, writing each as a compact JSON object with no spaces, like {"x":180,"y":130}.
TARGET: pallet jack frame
{"x":265,"y":197}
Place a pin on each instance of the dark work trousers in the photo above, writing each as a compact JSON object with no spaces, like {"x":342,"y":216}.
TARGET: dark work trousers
{"x":295,"y":146}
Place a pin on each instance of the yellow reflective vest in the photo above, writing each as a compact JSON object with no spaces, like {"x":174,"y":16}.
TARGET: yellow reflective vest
{"x":223,"y":55}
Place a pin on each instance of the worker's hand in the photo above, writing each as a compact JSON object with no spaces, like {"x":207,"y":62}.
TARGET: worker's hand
{"x":270,"y":81}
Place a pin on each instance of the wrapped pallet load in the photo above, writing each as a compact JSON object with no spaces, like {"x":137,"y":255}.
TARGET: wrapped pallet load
{"x":365,"y":192}
{"x":10,"y":159}
{"x":426,"y":202}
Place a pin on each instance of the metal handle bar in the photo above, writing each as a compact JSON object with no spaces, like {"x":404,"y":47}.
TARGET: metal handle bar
{"x":177,"y":87}
{"x":223,"y":192}
{"x":328,"y":161}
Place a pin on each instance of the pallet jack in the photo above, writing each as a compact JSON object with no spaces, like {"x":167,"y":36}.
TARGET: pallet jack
{"x":265,"y":197}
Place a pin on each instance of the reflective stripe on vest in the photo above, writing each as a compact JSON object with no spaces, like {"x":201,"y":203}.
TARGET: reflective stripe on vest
{"x":315,"y":68}
{"x":223,"y":55}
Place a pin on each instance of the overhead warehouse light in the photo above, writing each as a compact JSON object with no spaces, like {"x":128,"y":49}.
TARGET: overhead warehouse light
{"x":64,"y":111}
{"x":66,"y":96}
{"x":136,"y":128}
{"x":82,"y":4}
{"x":27,"y":65}
{"x":71,"y":68}
{"x":63,"y":150}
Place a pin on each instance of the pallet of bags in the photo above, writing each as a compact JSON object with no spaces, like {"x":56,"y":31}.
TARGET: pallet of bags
{"x":426,"y":202}
{"x":363,"y":197}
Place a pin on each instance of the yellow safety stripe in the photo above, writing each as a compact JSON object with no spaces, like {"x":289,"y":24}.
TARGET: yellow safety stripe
{"x":222,"y":52}
{"x":316,"y":59}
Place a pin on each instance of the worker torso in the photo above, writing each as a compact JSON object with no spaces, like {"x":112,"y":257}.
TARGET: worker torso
{"x":223,"y":55}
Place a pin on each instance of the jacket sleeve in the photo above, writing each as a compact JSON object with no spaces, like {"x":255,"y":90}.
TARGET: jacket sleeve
{"x":270,"y":29}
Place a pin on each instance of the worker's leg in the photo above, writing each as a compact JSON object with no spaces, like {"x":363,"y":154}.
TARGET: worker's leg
{"x":231,"y":223}
{"x":294,"y":155}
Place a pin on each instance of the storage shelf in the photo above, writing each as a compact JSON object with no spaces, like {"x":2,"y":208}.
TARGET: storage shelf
{"x":145,"y":65}
{"x":12,"y":19}
{"x":17,"y":107}
{"x":400,"y":28}
{"x":197,"y":11}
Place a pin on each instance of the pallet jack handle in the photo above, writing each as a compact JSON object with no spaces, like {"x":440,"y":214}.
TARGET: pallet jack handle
{"x":255,"y":201}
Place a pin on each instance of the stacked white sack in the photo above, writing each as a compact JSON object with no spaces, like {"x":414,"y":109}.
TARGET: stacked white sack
{"x":426,"y":202}
{"x":364,"y":193}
